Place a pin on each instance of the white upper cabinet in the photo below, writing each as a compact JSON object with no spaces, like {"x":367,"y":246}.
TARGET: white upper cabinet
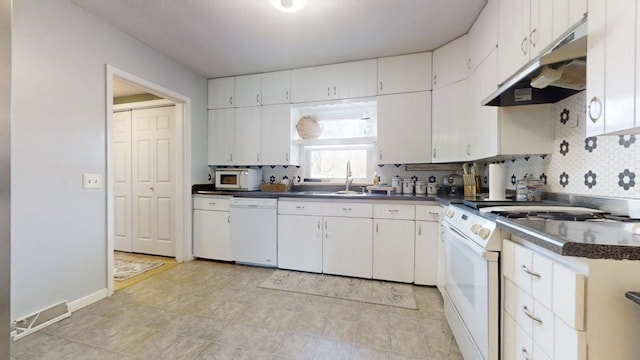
{"x":248,"y":90}
{"x":567,"y":13}
{"x":483,"y":36}
{"x":248,"y":136}
{"x":331,"y":82}
{"x":612,"y":97}
{"x":221,"y":136}
{"x":276,"y":87}
{"x":221,"y":92}
{"x":451,"y":62}
{"x":277,"y":136}
{"x":404,"y":73}
{"x":450,"y":108}
{"x":404,"y":128}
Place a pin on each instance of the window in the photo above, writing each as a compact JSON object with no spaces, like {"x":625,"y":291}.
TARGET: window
{"x":348,"y":134}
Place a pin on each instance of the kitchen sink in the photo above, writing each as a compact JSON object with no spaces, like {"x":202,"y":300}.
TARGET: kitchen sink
{"x":348,"y":192}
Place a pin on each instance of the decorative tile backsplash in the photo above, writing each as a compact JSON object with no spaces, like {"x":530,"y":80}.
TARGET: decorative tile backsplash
{"x":597,"y":166}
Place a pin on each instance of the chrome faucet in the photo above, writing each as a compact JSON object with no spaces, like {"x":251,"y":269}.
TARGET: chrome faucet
{"x":348,"y":179}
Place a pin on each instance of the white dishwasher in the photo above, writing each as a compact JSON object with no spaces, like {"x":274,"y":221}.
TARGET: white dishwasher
{"x":254,"y":231}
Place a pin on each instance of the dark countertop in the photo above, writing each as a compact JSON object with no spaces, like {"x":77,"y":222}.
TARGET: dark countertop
{"x":207,"y":189}
{"x":593,"y":240}
{"x":633,"y":296}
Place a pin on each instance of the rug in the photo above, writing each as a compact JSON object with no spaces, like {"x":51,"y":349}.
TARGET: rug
{"x":128,"y":268}
{"x":363,"y":290}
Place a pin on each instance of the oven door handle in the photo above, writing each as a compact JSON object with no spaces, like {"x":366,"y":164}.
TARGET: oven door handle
{"x":487,"y":255}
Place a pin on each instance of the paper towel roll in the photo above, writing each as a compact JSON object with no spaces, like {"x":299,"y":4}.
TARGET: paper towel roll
{"x":496,"y":182}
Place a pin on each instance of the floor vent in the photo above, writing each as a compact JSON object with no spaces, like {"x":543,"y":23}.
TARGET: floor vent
{"x":40,"y":319}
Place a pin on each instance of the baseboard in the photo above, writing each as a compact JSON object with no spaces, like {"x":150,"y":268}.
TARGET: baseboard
{"x":87,"y":300}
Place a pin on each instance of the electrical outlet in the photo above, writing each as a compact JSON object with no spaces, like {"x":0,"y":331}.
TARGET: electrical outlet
{"x":91,"y":181}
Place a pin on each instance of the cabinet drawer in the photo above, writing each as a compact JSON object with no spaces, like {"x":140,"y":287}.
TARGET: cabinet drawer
{"x":349,"y":210}
{"x":543,"y":329}
{"x":394,"y":211}
{"x":210,"y":202}
{"x":301,"y":208}
{"x":542,"y":284}
{"x":522,"y":267}
{"x":569,"y":343}
{"x":428,"y":212}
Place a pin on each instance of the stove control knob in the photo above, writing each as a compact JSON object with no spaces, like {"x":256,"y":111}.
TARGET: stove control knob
{"x":449,"y":213}
{"x":475,"y":228}
{"x":484,"y":233}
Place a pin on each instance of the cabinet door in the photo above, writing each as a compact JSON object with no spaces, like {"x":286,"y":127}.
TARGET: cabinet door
{"x":513,"y":36}
{"x":248,"y":136}
{"x":248,"y":90}
{"x":393,"y":250}
{"x":276,"y":87}
{"x":300,"y":243}
{"x":449,"y":110}
{"x":211,"y":235}
{"x":404,"y":73}
{"x":311,"y":84}
{"x":407,"y":117}
{"x":221,"y":92}
{"x":450,"y":62}
{"x":483,"y":35}
{"x":426,"y":253}
{"x":354,"y":79}
{"x":277,"y":134}
{"x":347,"y":247}
{"x":483,"y":122}
{"x":220,"y":136}
{"x":542,"y":28}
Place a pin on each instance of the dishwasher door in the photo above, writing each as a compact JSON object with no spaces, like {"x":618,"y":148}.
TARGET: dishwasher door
{"x":254,"y":231}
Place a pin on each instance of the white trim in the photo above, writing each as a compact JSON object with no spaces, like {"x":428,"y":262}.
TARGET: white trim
{"x":142,"y":105}
{"x":85,"y":301}
{"x":183,"y":165}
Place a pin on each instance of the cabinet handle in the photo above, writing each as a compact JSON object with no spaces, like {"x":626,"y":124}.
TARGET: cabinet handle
{"x":595,"y":109}
{"x":393,"y":211}
{"x":434,"y":213}
{"x":286,"y":156}
{"x":230,"y":100}
{"x":334,"y":90}
{"x":286,"y":95}
{"x":380,"y":85}
{"x":380,"y":155}
{"x":212,"y":203}
{"x":435,"y":153}
{"x":468,"y":149}
{"x":419,"y":230}
{"x":258,"y":98}
{"x":524,"y":268}
{"x":435,"y":79}
{"x":329,"y":91}
{"x":258,"y":157}
{"x":376,"y":227}
{"x":325,"y":224}
{"x":231,"y":157}
{"x":525,"y":354}
{"x":522,"y":48}
{"x":346,"y":209}
{"x":526,"y":311}
{"x":532,"y":40}
{"x":469,"y":63}
{"x":151,"y":188}
{"x":318,"y":224}
{"x":229,"y":219}
{"x":299,"y":207}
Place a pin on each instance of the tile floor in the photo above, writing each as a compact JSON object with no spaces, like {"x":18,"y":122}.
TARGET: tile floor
{"x":208,"y":310}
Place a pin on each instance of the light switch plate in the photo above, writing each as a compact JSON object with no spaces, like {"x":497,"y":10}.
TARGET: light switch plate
{"x":91,"y":181}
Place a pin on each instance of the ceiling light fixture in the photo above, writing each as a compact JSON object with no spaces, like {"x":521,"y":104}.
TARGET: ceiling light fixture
{"x":288,"y":5}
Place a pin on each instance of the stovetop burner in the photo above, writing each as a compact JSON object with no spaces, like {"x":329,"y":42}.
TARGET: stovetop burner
{"x":563,"y":216}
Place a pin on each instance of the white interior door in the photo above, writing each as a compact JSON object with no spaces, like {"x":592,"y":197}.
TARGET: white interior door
{"x":122,"y":239}
{"x":153,"y":181}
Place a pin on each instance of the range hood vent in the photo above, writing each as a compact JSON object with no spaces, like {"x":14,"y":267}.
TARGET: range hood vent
{"x":559,"y":72}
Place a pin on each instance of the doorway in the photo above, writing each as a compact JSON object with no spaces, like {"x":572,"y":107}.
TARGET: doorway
{"x":176,"y":215}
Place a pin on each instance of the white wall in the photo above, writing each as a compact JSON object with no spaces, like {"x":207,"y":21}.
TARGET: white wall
{"x":58,"y":229}
{"x":5,"y":168}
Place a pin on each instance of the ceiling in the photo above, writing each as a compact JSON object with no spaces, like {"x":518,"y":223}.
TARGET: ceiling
{"x":219,"y":38}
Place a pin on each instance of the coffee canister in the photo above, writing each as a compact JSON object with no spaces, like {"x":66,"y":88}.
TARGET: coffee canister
{"x":396,"y":182}
{"x":407,"y":187}
{"x":421,"y":187}
{"x":432,"y":188}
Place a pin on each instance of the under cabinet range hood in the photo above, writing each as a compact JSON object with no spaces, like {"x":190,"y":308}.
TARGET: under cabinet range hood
{"x":559,"y":72}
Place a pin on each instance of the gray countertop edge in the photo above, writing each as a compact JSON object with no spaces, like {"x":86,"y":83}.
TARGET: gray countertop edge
{"x":568,"y":248}
{"x":633,"y":296}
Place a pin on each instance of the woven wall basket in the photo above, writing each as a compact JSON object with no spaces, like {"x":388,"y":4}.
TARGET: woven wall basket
{"x":308,"y":127}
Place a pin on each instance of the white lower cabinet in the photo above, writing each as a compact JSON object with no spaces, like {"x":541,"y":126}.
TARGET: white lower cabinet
{"x":212,"y":227}
{"x":300,"y":243}
{"x":427,"y":231}
{"x":347,"y":247}
{"x":393,"y":250}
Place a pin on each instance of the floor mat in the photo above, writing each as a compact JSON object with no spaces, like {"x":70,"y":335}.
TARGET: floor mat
{"x":128,"y":268}
{"x":364,"y":290}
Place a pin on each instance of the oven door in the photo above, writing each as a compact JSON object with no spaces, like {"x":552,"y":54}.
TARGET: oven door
{"x":472,"y":285}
